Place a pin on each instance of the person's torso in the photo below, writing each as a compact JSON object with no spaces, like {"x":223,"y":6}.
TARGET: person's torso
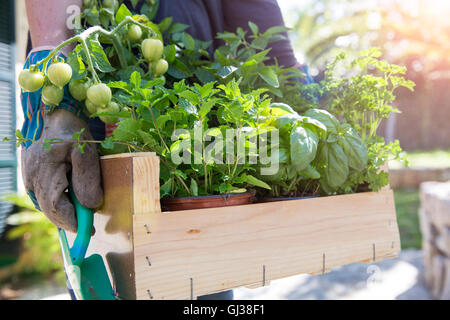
{"x":204,"y":17}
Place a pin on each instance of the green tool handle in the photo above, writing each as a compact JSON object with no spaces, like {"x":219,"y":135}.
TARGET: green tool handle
{"x":85,"y":218}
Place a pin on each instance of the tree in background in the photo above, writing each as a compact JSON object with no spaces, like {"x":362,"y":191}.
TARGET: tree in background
{"x":325,"y":28}
{"x":414,"y":33}
{"x":410,"y":33}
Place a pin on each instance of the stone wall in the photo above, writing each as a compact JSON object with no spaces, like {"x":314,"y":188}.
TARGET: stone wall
{"x":435,"y":226}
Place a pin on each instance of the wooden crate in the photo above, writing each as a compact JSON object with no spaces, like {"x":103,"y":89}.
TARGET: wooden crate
{"x":180,"y":255}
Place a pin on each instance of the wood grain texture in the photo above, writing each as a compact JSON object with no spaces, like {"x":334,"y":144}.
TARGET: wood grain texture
{"x":146,"y":185}
{"x":224,"y":248}
{"x":181,"y":255}
{"x":129,"y":155}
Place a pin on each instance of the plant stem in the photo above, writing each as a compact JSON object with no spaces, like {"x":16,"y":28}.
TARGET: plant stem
{"x":90,"y":63}
{"x":120,"y":52}
{"x":97,"y":29}
{"x":205,"y":170}
{"x":129,"y":20}
{"x":238,"y":134}
{"x":59,"y":141}
{"x":178,"y":177}
{"x":157,"y":129}
{"x":54,"y":51}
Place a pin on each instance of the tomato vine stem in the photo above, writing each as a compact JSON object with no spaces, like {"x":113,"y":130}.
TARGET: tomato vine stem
{"x":82,"y":37}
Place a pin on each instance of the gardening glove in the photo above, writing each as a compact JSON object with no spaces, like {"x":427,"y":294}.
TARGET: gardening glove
{"x":45,"y":172}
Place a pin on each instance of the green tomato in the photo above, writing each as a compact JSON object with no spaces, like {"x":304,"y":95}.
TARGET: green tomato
{"x":99,"y":94}
{"x":111,"y":4}
{"x":52,"y":95}
{"x":163,"y":79}
{"x":31,"y":81}
{"x":152,"y":49}
{"x":59,"y":74}
{"x":78,"y":89}
{"x":160,"y":67}
{"x":90,"y":107}
{"x":87,"y":3}
{"x":134,"y":33}
{"x":111,"y":107}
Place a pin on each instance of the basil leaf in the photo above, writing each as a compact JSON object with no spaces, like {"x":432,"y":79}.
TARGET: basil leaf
{"x":310,"y":173}
{"x":355,"y":149}
{"x":324,"y":117}
{"x":333,"y":165}
{"x":304,"y":144}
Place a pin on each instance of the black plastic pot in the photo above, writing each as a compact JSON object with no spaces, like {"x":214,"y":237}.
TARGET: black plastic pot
{"x":264,"y":199}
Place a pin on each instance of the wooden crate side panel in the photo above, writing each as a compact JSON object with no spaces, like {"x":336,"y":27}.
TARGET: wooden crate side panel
{"x":113,"y":239}
{"x":190,"y":253}
{"x":146,"y":194}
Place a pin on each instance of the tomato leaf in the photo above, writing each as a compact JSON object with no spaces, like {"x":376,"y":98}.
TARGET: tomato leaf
{"x":98,"y":56}
{"x":122,"y":13}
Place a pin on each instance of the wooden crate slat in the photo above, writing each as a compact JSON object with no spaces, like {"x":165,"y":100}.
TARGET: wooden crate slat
{"x":179,"y":255}
{"x":146,"y":198}
{"x":212,"y":246}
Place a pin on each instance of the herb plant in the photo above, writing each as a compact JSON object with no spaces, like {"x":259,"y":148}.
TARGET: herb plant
{"x":170,"y":95}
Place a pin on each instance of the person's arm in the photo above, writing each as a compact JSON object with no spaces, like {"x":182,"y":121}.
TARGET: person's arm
{"x":265,"y":14}
{"x":47,"y":20}
{"x":45,"y":172}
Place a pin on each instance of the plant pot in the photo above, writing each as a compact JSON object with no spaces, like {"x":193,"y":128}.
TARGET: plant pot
{"x":192,"y":203}
{"x":268,"y":199}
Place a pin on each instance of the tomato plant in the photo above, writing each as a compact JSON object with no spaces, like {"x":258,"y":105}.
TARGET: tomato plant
{"x":152,"y":49}
{"x":160,"y":67}
{"x":52,"y":95}
{"x":59,"y":74}
{"x":31,"y":81}
{"x":134,"y":33}
{"x":90,"y":107}
{"x":99,"y":94}
{"x":78,"y":89}
{"x":111,"y":4}
{"x":112,"y":107}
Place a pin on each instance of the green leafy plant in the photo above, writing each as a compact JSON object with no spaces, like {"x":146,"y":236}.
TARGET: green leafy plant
{"x":158,"y":112}
{"x":40,"y":254}
{"x":327,"y":132}
{"x":363,"y":99}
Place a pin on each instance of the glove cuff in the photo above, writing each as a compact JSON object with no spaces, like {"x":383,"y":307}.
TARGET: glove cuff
{"x":75,"y":107}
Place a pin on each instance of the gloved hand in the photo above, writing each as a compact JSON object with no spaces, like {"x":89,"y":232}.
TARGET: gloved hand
{"x":45,"y":171}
